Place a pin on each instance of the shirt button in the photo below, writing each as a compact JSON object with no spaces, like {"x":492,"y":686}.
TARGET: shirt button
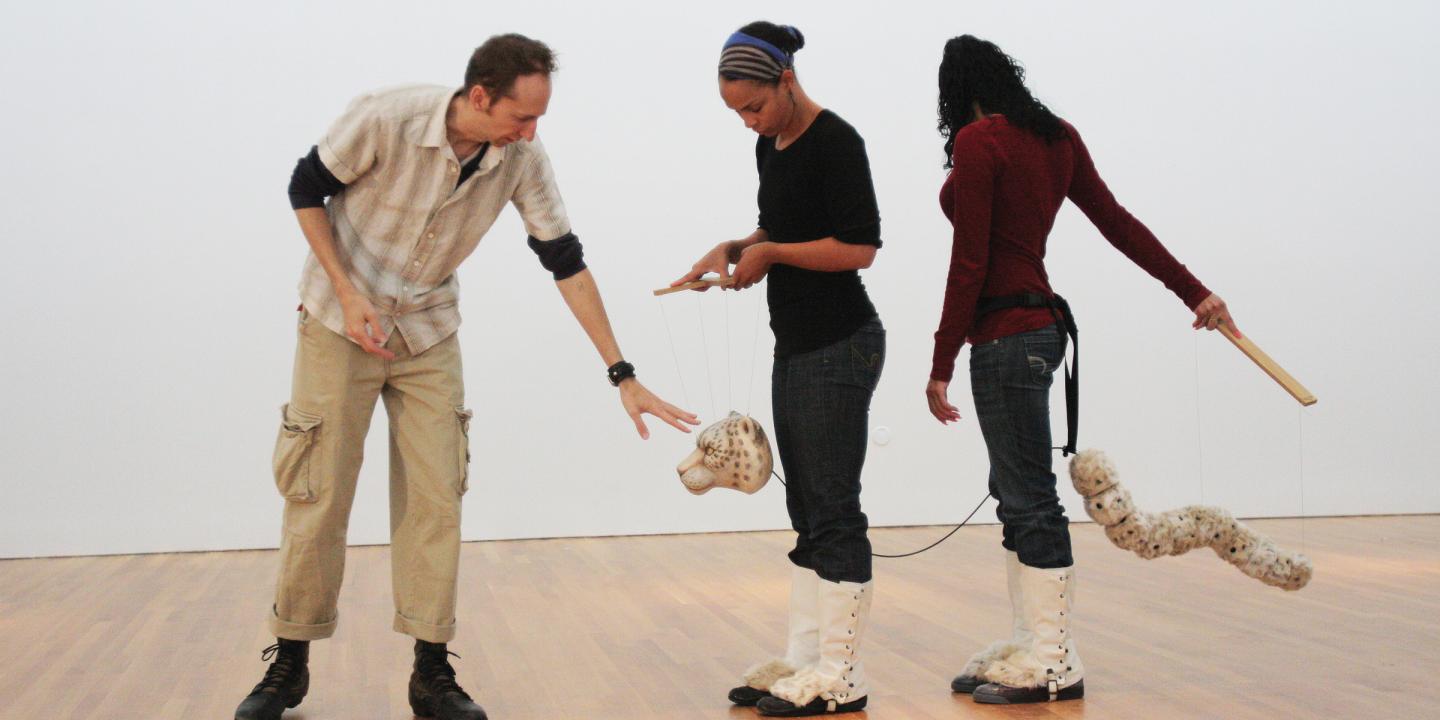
{"x":406,"y":288}
{"x":416,"y":263}
{"x":430,"y":236}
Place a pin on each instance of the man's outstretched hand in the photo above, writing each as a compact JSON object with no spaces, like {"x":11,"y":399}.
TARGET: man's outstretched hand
{"x":640,"y":401}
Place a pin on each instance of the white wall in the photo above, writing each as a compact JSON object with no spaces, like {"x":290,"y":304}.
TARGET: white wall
{"x":1284,"y":151}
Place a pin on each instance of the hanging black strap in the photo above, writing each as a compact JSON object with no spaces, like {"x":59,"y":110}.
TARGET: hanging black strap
{"x":1066,"y":320}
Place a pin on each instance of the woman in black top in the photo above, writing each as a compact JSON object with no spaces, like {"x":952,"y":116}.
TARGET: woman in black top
{"x":818,"y":226}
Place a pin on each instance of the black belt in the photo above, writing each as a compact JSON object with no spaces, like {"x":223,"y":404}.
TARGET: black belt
{"x":1066,"y":319}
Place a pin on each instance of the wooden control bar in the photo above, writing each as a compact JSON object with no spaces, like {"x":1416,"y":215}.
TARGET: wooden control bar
{"x":696,"y":284}
{"x":1270,"y":367}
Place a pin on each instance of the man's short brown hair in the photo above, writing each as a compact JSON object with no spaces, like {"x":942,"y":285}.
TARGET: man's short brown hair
{"x":496,"y":64}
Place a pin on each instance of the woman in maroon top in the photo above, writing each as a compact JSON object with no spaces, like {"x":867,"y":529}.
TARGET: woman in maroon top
{"x":1012,"y":163}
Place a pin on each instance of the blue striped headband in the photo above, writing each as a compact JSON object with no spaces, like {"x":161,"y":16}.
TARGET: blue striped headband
{"x":746,"y":57}
{"x":739,"y":38}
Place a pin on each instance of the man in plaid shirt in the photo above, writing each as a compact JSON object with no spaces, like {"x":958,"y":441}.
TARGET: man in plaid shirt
{"x":416,"y":176}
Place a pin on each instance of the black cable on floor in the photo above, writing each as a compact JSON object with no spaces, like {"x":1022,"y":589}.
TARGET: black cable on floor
{"x":927,"y":547}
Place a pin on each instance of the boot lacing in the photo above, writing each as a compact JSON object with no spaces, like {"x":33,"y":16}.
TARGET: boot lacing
{"x":433,"y":663}
{"x":287,"y":656}
{"x":850,"y":648}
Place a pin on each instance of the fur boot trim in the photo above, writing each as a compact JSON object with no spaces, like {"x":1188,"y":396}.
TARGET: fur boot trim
{"x":762,"y":676}
{"x":802,"y":687}
{"x":1019,"y":669}
{"x":981,"y":661}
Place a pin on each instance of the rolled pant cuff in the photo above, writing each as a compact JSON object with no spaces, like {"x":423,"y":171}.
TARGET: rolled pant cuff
{"x":296,"y":631}
{"x":424,"y":631}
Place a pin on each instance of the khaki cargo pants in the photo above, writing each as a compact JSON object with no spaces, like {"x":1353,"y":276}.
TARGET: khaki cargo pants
{"x":317,"y":461}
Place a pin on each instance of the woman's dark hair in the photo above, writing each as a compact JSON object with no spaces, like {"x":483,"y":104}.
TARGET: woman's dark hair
{"x":788,"y":38}
{"x":500,"y":60}
{"x":975,"y":70}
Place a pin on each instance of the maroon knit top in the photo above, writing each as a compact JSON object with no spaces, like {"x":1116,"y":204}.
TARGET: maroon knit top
{"x":1002,"y":196}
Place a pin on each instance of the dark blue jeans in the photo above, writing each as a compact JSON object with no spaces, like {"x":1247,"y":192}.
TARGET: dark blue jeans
{"x":822,"y":422}
{"x":1010,"y":379}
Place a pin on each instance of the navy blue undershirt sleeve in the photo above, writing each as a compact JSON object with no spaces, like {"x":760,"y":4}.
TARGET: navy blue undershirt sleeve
{"x":563,"y":256}
{"x":312,"y":182}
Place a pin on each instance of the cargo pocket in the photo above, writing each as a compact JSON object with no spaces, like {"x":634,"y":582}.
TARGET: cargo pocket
{"x":293,"y":450}
{"x":463,"y":444}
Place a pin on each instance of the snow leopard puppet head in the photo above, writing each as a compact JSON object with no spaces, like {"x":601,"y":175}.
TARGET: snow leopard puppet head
{"x":733,"y":453}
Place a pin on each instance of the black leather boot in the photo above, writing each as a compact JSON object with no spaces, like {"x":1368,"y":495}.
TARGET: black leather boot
{"x":284,"y":685}
{"x":433,"y":690}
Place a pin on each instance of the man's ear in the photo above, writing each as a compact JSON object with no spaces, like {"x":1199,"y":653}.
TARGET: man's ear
{"x":479,"y":98}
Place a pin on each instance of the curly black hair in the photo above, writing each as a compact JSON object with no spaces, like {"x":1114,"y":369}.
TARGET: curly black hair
{"x":977,"y":71}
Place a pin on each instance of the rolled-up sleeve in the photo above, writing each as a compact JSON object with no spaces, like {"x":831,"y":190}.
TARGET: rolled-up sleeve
{"x":349,"y":148}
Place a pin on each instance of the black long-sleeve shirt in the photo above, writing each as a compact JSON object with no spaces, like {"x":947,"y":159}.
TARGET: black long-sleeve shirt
{"x":817,"y":187}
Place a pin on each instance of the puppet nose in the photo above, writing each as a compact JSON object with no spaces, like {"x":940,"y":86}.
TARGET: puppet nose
{"x":694,"y":460}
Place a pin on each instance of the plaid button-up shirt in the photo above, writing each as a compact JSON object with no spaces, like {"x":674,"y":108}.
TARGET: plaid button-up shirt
{"x":402,"y":227}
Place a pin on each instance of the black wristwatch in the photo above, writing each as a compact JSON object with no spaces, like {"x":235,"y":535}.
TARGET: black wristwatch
{"x":620,"y":371}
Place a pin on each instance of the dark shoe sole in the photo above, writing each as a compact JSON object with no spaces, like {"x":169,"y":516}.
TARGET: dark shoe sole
{"x":996,"y":694}
{"x":422,"y":709}
{"x":292,"y":702}
{"x":289,"y":704}
{"x":775,"y":707}
{"x":746,"y":696}
{"x":965,"y":684}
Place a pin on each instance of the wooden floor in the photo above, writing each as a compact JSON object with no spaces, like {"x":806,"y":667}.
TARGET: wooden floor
{"x":659,"y":627}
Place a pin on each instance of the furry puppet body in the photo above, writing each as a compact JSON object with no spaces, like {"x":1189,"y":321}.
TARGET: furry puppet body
{"x":1175,"y":532}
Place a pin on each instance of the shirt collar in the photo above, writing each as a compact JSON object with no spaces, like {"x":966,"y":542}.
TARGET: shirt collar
{"x":432,"y":133}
